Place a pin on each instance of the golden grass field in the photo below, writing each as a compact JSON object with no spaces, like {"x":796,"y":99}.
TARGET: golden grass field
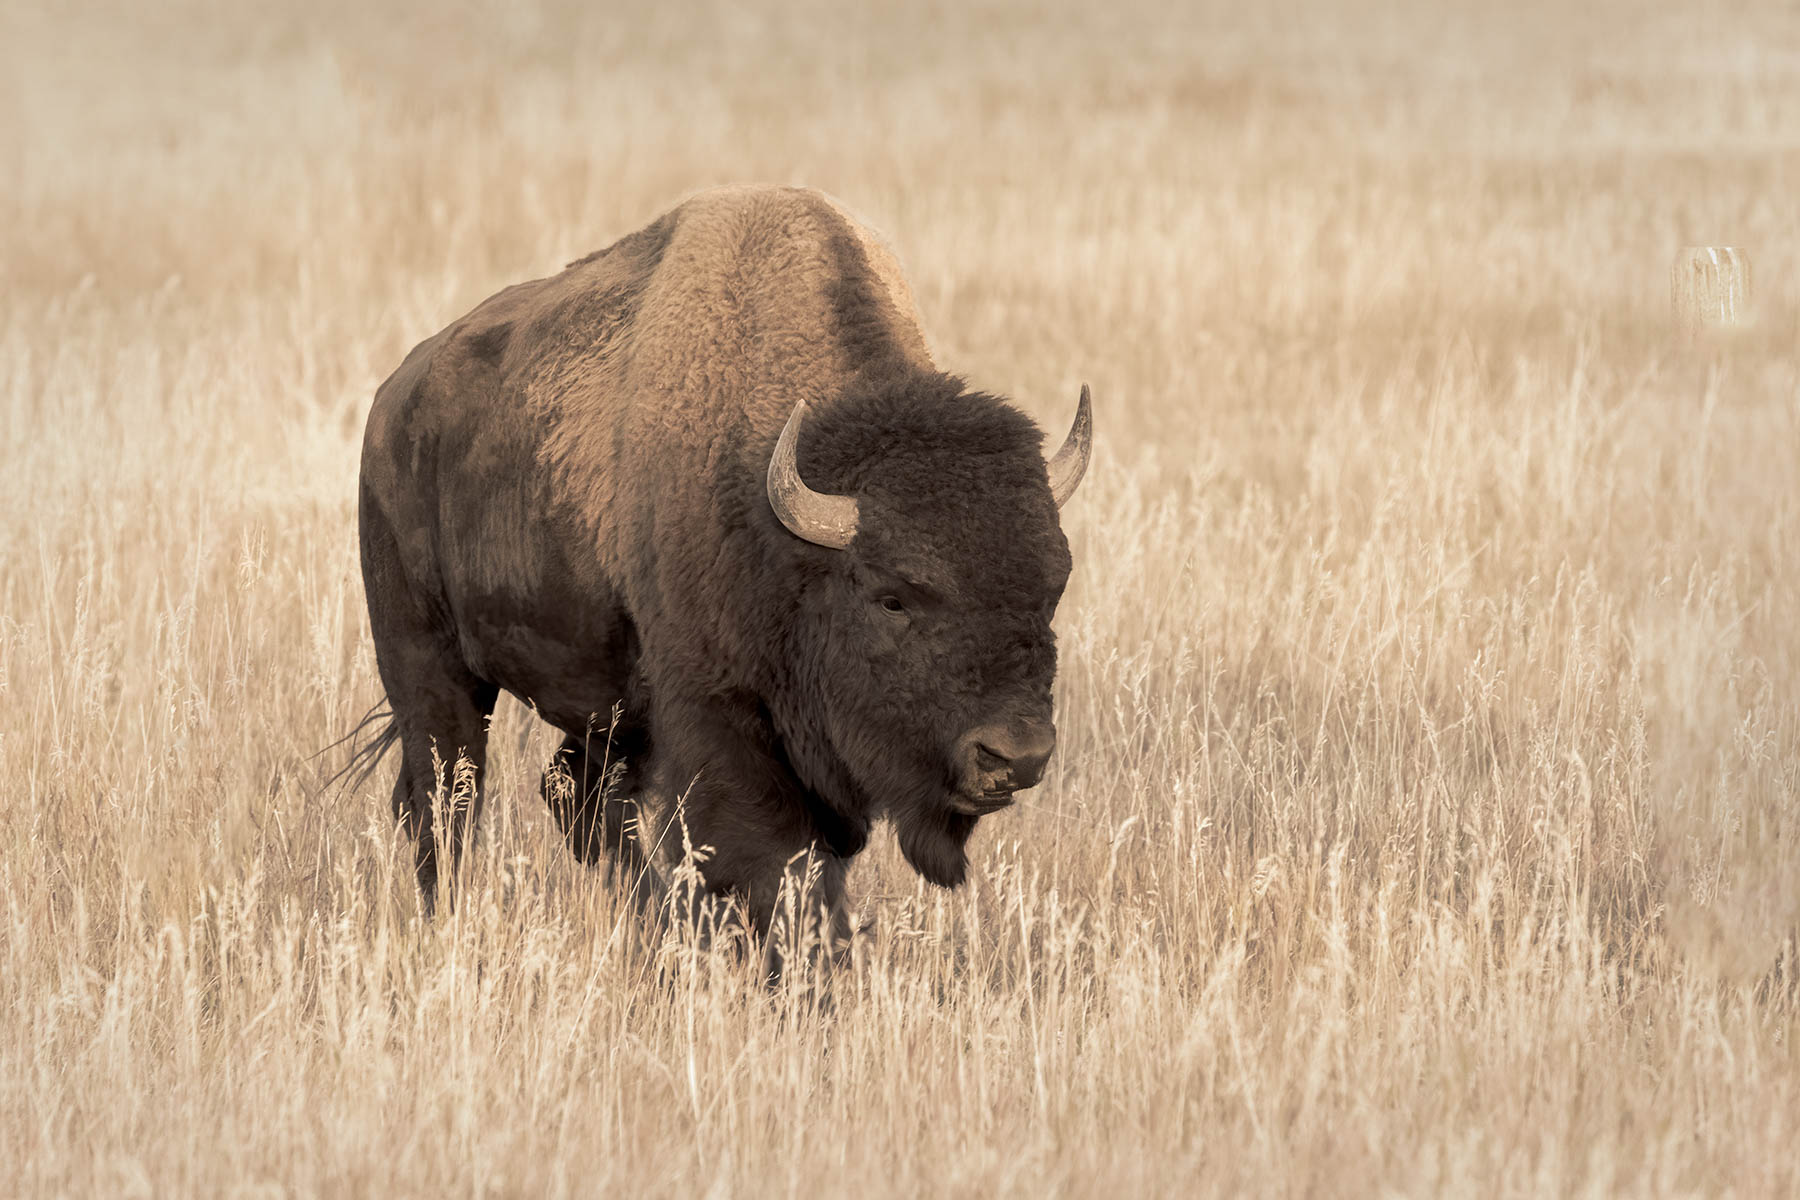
{"x":1425,"y":815}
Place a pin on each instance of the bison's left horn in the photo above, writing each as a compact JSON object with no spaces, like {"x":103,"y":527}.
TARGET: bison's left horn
{"x":819,"y":517}
{"x":1070,"y":463}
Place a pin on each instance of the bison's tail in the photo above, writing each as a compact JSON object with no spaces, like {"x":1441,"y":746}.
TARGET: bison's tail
{"x":370,"y":739}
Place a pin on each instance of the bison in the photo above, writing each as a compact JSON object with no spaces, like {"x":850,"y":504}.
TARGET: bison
{"x":705,"y":503}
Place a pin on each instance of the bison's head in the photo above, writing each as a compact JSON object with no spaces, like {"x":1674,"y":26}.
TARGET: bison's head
{"x":925,"y":639}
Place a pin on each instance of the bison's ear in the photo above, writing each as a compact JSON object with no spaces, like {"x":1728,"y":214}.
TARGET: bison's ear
{"x":820,"y":518}
{"x":1070,"y":463}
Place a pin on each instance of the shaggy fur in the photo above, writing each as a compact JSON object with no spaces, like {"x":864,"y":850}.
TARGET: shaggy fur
{"x":563,"y":496}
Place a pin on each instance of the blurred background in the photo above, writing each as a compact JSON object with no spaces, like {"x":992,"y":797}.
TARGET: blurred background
{"x":1424,"y":815}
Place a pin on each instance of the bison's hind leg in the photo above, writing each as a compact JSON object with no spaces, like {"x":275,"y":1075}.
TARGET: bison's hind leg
{"x":440,"y":705}
{"x":443,"y":737}
{"x":590,"y":787}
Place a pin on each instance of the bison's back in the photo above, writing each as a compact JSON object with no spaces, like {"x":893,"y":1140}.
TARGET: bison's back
{"x":605,"y":430}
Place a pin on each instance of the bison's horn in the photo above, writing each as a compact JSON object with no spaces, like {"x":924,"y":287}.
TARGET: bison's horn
{"x":818,"y":517}
{"x":1070,"y":463}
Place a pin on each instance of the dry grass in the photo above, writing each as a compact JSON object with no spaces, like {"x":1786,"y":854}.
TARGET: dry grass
{"x":1425,"y":820}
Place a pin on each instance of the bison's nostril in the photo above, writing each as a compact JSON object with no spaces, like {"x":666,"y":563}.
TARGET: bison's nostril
{"x":1027,"y":771}
{"x":1004,"y":757}
{"x":1023,"y":766}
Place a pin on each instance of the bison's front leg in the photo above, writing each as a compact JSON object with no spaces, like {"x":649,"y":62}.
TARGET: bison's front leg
{"x":753,"y":837}
{"x":793,"y":896}
{"x":807,"y":922}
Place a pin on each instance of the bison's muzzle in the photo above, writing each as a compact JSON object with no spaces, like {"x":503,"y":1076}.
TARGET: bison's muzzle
{"x":999,"y":759}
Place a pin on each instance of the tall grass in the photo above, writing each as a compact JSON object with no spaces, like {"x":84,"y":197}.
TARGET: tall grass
{"x":1424,"y":818}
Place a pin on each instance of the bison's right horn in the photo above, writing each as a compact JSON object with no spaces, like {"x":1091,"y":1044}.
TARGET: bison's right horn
{"x":1070,"y":463}
{"x":819,"y":517}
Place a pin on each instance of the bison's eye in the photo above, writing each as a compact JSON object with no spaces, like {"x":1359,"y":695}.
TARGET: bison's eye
{"x":891,"y":606}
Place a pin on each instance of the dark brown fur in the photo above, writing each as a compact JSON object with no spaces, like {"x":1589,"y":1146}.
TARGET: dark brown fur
{"x":563,"y":496}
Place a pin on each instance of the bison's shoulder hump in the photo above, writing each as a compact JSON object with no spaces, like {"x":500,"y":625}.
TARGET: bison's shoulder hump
{"x":638,"y":250}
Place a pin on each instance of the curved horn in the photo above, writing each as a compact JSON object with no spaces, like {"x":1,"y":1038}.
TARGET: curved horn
{"x":820,"y":518}
{"x":1070,"y":463}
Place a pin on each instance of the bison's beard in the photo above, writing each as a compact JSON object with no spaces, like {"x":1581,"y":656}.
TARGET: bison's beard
{"x":933,"y":836}
{"x":912,"y":791}
{"x":917,"y":798}
{"x":933,"y":839}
